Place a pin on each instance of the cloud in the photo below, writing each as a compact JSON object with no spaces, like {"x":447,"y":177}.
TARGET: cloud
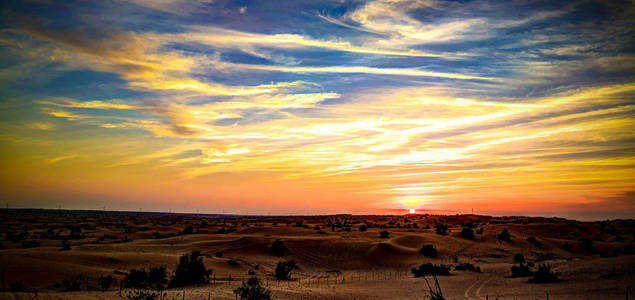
{"x":41,"y":126}
{"x":54,"y":160}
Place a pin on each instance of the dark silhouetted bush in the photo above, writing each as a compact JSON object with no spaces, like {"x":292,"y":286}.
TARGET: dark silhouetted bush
{"x":519,"y":258}
{"x":504,"y":236}
{"x":384,"y":234}
{"x":104,"y":282}
{"x":190,"y":270}
{"x":363,"y":228}
{"x":479,"y":231}
{"x":430,"y":269}
{"x":219,"y":254}
{"x":441,"y":229}
{"x":544,"y":275}
{"x":468,"y":233}
{"x":252,"y":290}
{"x":234,"y":262}
{"x":467,"y":267}
{"x":66,"y":245}
{"x":587,"y":245}
{"x":521,"y":270}
{"x":284,"y":268}
{"x":17,"y":287}
{"x":428,"y":251}
{"x":30,"y":244}
{"x":534,"y":241}
{"x":188,"y":230}
{"x":277,"y":248}
{"x":566,"y":247}
{"x":73,"y":284}
{"x":155,"y":278}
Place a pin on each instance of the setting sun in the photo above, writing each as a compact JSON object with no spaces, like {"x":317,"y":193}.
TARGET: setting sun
{"x":412,"y":211}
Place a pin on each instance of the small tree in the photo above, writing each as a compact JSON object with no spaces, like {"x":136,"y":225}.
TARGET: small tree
{"x":277,"y":248}
{"x":521,"y":270}
{"x":430,"y":269}
{"x":428,"y":251}
{"x":188,"y":230}
{"x":284,"y":268}
{"x":190,"y":270}
{"x":104,"y":282}
{"x":519,"y":258}
{"x":504,"y":236}
{"x":441,"y":229}
{"x":384,"y":234}
{"x":544,"y":275}
{"x":468,"y":233}
{"x":252,"y":290}
{"x":66,"y":245}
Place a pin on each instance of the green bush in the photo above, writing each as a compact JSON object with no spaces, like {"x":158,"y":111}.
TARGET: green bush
{"x":284,"y":268}
{"x":190,"y":270}
{"x":252,"y":290}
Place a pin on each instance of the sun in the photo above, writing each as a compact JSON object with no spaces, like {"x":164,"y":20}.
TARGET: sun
{"x":412,"y":211}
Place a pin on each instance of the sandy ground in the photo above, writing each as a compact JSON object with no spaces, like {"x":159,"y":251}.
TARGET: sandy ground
{"x":333,"y":262}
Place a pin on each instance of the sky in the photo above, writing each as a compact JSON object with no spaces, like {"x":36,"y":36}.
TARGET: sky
{"x":311,"y":107}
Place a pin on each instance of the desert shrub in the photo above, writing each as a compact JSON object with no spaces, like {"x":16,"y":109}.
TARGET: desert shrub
{"x":251,"y":272}
{"x":252,"y":290}
{"x":157,"y":277}
{"x":504,"y":236}
{"x":17,"y":287}
{"x":479,"y":231}
{"x":277,"y":248}
{"x":190,"y":270}
{"x":544,"y":275}
{"x":628,"y":249}
{"x":234,"y":262}
{"x":104,"y":282}
{"x":219,"y":254}
{"x":66,"y":245}
{"x":363,"y":228}
{"x":73,"y":283}
{"x":284,"y":268}
{"x":188,"y":230}
{"x":566,"y":247}
{"x":428,"y":251}
{"x":587,"y":245}
{"x":521,"y":270}
{"x":519,"y":258}
{"x":441,"y":229}
{"x":142,"y":295}
{"x":468,"y":233}
{"x":30,"y":244}
{"x":384,"y":234}
{"x":534,"y":241}
{"x":430,"y":269}
{"x":467,"y":267}
{"x":154,"y":278}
